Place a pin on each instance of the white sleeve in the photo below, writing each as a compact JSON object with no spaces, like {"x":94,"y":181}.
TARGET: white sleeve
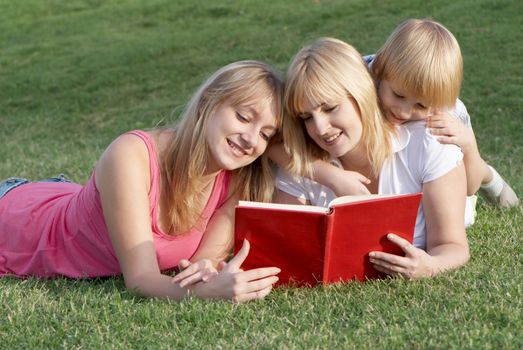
{"x":460,"y":112}
{"x":427,"y":158}
{"x":304,"y":188}
{"x":290,"y":185}
{"x":438,"y":159}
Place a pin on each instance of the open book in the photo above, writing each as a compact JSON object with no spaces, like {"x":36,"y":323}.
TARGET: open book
{"x":315,"y":244}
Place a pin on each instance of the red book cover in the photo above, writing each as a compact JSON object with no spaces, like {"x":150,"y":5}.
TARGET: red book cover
{"x":314,"y":244}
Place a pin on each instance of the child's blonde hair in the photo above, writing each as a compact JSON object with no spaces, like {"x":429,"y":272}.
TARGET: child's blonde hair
{"x":186,"y":157}
{"x":327,"y":71}
{"x":424,"y":57}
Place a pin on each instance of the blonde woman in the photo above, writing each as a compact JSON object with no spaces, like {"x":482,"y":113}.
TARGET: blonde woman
{"x":157,"y":198}
{"x":335,"y":116}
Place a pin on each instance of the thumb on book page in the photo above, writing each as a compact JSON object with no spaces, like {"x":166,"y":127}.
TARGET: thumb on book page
{"x":240,"y":257}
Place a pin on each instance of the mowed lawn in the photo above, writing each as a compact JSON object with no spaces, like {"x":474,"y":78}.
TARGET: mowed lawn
{"x":76,"y":74}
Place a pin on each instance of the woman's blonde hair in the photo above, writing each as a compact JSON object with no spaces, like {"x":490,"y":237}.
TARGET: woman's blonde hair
{"x":327,"y":71}
{"x":424,"y":57}
{"x":185,"y":159}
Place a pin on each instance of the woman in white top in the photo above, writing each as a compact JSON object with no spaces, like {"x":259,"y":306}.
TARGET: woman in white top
{"x":335,"y":115}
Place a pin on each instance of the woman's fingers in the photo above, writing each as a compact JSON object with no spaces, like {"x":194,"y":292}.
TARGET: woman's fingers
{"x":196,"y":277}
{"x":200,"y":276}
{"x":183,"y":264}
{"x":260,"y":294}
{"x":256,"y":274}
{"x":192,"y":269}
{"x":221,"y":265}
{"x":405,"y":245}
{"x":361,"y":178}
{"x":252,"y":286}
{"x":387,"y":271}
{"x":239,"y":258}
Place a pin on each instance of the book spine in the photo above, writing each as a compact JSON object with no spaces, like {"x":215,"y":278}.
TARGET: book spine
{"x":328,"y":243}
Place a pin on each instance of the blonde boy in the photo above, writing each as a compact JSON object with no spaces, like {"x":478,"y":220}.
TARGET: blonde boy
{"x":418,"y":72}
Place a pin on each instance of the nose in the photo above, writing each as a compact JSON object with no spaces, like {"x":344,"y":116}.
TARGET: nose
{"x":250,"y":137}
{"x":405,"y":110}
{"x":320,"y":123}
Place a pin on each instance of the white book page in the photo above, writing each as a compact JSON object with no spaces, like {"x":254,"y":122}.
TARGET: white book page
{"x":279,"y":206}
{"x":358,"y":198}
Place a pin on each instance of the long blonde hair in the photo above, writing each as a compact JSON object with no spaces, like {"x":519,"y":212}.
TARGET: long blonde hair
{"x":424,"y":57}
{"x":327,"y":71}
{"x":185,"y":159}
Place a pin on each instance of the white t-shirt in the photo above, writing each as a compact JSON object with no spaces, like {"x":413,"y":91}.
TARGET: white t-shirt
{"x":417,"y":158}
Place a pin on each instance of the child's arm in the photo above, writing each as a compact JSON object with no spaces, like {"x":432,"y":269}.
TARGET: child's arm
{"x":342,"y":182}
{"x":450,"y":130}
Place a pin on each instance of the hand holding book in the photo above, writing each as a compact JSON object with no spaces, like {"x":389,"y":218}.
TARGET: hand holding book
{"x":413,"y":265}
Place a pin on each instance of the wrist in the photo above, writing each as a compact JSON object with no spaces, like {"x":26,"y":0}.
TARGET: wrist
{"x":189,"y":292}
{"x":433,"y":267}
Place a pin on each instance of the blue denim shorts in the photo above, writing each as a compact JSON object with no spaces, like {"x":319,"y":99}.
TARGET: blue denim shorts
{"x":14,"y":182}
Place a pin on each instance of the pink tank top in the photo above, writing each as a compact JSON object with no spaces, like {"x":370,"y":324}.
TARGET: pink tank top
{"x":58,"y":229}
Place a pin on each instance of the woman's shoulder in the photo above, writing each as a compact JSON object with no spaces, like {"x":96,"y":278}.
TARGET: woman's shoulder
{"x":161,"y":138}
{"x":138,"y":141}
{"x":425,"y":155}
{"x":420,"y":137}
{"x":131,"y":149}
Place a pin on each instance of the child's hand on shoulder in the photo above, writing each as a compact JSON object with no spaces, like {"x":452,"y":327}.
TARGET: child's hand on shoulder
{"x":449,"y":130}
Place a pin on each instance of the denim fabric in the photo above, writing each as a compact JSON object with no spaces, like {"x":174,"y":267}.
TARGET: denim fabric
{"x":9,"y":184}
{"x":14,"y":182}
{"x":368,"y":59}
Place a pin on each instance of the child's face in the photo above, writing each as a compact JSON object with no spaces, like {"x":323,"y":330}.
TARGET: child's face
{"x":399,"y":105}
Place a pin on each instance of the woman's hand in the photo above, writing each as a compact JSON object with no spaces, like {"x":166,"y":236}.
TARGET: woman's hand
{"x":349,"y":183}
{"x":415,"y":264}
{"x":342,"y":182}
{"x":237,"y":285}
{"x":192,"y":273}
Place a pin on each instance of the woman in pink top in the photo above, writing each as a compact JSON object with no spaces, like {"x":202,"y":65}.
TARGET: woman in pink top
{"x":158,"y":198}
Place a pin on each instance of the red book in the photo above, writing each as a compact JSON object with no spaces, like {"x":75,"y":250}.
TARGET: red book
{"x":324,"y":245}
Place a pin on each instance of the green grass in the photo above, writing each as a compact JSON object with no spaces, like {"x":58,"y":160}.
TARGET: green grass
{"x":75,"y":74}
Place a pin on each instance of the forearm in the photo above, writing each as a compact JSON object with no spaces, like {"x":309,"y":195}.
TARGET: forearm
{"x":448,"y":257}
{"x":156,"y":285}
{"x":342,"y":182}
{"x":218,"y":240}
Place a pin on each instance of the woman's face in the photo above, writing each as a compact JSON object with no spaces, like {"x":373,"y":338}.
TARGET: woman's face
{"x":237,"y":135}
{"x":335,"y":127}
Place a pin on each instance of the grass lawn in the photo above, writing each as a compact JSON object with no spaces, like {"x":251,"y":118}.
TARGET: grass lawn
{"x":75,"y":74}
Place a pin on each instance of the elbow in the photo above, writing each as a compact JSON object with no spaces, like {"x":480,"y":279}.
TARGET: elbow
{"x":466,"y":254}
{"x":136,"y":285}
{"x":133,"y":287}
{"x":462,"y":255}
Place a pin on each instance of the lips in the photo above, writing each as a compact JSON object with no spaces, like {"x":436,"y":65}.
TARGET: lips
{"x":395,"y":119}
{"x":329,"y":140}
{"x":236,"y":149}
